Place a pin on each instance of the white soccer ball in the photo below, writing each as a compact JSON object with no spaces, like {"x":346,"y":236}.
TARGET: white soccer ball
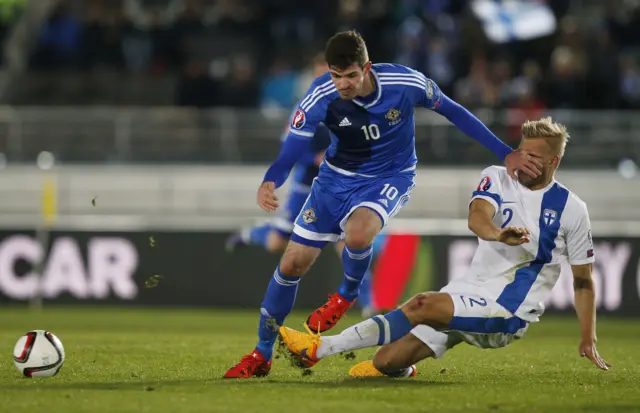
{"x":38,"y":353}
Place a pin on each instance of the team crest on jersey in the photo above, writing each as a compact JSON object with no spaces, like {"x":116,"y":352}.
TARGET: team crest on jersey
{"x":298,"y":120}
{"x":393,"y":116}
{"x":549,"y":216}
{"x":309,"y":216}
{"x":485,"y":184}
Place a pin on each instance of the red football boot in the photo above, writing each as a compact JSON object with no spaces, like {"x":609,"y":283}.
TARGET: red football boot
{"x":251,"y":365}
{"x":329,"y":314}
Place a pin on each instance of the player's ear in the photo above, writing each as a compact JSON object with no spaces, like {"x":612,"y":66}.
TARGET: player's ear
{"x":367,"y":68}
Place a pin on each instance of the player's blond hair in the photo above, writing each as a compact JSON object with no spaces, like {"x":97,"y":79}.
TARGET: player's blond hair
{"x":555,"y":133}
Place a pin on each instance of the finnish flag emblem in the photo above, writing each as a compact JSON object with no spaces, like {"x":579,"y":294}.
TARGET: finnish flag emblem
{"x":549,"y":216}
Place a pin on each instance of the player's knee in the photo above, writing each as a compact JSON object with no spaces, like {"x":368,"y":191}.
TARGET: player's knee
{"x":386,"y":360}
{"x":358,"y":239}
{"x":293,"y":266}
{"x":275,"y":242}
{"x":417,"y":309}
{"x":433,"y":309}
{"x":361,"y":229}
{"x":296,"y":261}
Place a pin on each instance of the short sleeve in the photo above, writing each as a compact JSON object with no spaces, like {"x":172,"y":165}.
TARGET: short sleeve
{"x":578,"y":238}
{"x":428,"y":94}
{"x":489,"y":188}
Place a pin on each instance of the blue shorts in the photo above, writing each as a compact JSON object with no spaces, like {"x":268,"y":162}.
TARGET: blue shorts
{"x":283,"y":222}
{"x":334,"y":197}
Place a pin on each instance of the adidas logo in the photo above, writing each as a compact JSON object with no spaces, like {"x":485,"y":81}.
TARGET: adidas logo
{"x":384,"y":202}
{"x":345,"y":122}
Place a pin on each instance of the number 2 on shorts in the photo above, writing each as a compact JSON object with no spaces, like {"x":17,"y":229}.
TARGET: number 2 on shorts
{"x":482,"y":303}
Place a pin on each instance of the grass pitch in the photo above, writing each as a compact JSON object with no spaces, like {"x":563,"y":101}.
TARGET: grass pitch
{"x":148,"y":360}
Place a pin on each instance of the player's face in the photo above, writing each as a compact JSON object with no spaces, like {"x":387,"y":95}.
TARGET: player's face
{"x":548,"y":158}
{"x":349,"y":81}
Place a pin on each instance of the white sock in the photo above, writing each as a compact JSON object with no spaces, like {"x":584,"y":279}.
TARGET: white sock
{"x":362,"y":335}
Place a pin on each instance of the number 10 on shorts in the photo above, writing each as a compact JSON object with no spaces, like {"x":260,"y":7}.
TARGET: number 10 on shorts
{"x":389,"y":191}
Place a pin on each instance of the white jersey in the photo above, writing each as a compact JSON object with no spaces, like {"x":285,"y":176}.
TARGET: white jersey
{"x":521,"y":278}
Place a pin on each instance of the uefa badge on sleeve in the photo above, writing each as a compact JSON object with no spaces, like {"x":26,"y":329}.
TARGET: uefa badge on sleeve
{"x":485,"y":184}
{"x":298,"y":120}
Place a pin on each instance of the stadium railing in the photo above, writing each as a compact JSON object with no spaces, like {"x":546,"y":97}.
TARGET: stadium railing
{"x":226,"y":135}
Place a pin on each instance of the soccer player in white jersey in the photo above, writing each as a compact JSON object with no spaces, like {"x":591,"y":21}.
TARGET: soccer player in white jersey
{"x":526,"y":227}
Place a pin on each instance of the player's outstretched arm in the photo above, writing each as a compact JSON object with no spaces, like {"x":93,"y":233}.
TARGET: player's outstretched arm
{"x":480,"y":222}
{"x":473,"y":127}
{"x":290,"y":152}
{"x":586,"y":310}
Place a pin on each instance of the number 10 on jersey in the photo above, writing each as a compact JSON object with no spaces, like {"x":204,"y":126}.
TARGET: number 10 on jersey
{"x":371,"y":131}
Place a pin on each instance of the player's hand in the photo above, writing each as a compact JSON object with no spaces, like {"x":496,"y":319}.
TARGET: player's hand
{"x":513,"y":236}
{"x":267,"y":198}
{"x":588,"y":350}
{"x":527,"y":162}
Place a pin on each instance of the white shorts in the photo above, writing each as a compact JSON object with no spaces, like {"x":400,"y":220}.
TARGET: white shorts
{"x":476,"y":320}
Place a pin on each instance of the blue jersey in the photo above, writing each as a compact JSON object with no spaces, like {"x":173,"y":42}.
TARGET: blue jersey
{"x":371,"y":135}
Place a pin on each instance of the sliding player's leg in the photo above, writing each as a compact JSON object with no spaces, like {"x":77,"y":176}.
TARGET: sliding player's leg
{"x":433,"y":309}
{"x":397,"y":359}
{"x":462,"y":311}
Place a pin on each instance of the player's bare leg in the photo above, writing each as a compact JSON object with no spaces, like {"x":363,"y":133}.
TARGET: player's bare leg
{"x":298,"y":258}
{"x":277,"y":304}
{"x":360,"y":229}
{"x":271,"y":240}
{"x":397,"y":359}
{"x":433,"y":310}
{"x":276,"y":242}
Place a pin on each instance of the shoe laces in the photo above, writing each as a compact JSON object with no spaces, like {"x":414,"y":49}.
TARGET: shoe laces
{"x":315,"y":337}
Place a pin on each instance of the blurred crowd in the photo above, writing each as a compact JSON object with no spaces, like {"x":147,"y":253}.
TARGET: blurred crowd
{"x":255,"y":53}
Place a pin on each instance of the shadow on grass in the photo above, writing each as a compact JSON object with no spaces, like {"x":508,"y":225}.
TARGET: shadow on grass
{"x":219,"y":383}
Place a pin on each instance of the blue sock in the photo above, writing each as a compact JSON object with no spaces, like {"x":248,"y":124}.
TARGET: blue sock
{"x":364,"y":297}
{"x":277,"y":304}
{"x":257,"y":235}
{"x":355,"y":263}
{"x":392,"y":326}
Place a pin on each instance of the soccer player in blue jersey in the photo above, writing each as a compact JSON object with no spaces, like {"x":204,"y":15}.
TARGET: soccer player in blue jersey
{"x":365,"y":179}
{"x":274,"y":235}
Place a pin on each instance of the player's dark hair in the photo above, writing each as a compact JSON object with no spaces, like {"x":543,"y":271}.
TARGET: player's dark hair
{"x":345,"y":49}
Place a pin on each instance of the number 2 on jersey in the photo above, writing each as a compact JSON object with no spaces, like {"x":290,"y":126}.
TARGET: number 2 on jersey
{"x":371,"y":132}
{"x":508,"y":212}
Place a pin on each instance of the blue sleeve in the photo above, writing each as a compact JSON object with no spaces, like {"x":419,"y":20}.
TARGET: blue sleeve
{"x":472,"y":126}
{"x":302,"y":127}
{"x":290,"y":151}
{"x":425,"y":92}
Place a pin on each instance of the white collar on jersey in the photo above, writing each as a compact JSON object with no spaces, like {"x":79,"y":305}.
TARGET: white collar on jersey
{"x":378,"y":90}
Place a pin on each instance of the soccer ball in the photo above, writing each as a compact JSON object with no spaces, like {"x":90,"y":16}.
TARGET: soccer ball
{"x":38,"y":354}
